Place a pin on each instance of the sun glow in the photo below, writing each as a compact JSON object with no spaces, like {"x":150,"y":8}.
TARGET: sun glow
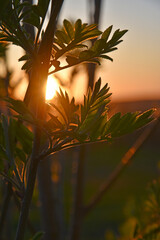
{"x":51,"y":88}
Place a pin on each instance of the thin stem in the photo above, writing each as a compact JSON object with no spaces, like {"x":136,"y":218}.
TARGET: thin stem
{"x":29,"y":224}
{"x":64,"y":67}
{"x":55,"y":148}
{"x":78,"y":210}
{"x":45,"y":50}
{"x":60,"y":147}
{"x":30,"y":187}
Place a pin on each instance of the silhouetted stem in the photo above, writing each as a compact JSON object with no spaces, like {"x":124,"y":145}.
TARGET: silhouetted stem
{"x":5,"y":207}
{"x":126,"y":159}
{"x":78,"y":200}
{"x":29,"y":224}
{"x":30,"y":187}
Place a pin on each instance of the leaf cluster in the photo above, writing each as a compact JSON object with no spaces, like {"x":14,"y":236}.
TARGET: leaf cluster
{"x":69,"y":41}
{"x":15,"y":147}
{"x":74,"y":36}
{"x":14,"y":15}
{"x":70,"y":124}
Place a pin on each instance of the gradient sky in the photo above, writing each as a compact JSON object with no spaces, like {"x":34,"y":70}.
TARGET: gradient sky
{"x":135,"y":71}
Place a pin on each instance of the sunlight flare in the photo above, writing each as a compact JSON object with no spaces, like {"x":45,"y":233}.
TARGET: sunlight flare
{"x":51,"y":88}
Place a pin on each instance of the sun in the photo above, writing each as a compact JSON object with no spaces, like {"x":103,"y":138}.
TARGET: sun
{"x":51,"y":88}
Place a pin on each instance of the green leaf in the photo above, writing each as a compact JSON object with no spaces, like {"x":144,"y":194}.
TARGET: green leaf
{"x":91,"y":35}
{"x":106,"y":33}
{"x":69,"y":29}
{"x":117,"y":126}
{"x":24,"y":58}
{"x":85,"y":55}
{"x":144,"y":118}
{"x":18,"y":106}
{"x":78,"y":27}
{"x":116,"y":37}
{"x":98,"y":46}
{"x":53,"y":123}
{"x":72,"y":60}
{"x":88,"y":28}
{"x":106,"y":57}
{"x":69,"y":38}
{"x":27,"y":66}
{"x":62,"y":37}
{"x":93,"y":111}
{"x":66,"y":109}
{"x":112,"y":123}
{"x":60,"y":43}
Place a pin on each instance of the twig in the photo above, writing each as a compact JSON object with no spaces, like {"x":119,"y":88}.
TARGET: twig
{"x":55,"y":148}
{"x":126,"y":159}
{"x":65,"y":67}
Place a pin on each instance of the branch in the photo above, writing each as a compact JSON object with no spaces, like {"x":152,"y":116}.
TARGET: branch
{"x":125,"y":161}
{"x":71,"y":65}
{"x":64,"y":67}
{"x":56,"y":147}
{"x":43,"y":57}
{"x":78,"y":208}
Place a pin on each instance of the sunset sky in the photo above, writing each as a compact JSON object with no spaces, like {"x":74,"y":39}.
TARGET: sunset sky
{"x":135,"y":71}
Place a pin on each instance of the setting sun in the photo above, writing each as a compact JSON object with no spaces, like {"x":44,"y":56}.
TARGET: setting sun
{"x":51,"y":88}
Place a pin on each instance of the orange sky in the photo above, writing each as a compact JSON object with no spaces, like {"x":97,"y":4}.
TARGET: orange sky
{"x":135,"y":71}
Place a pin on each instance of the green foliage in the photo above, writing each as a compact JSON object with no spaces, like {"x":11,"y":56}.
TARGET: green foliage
{"x":14,"y":16}
{"x":15,"y":147}
{"x":68,"y":124}
{"x":145,"y":224}
{"x":71,"y":124}
{"x":149,"y":228}
{"x":73,"y":36}
{"x":21,"y":109}
{"x":69,"y":41}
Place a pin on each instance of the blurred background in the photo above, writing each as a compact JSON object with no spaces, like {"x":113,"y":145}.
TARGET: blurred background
{"x":133,"y":77}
